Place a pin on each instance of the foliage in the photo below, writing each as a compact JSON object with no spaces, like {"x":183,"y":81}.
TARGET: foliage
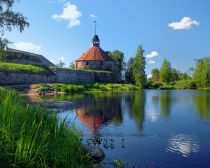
{"x":33,"y":137}
{"x":2,"y":55}
{"x":118,"y":58}
{"x":166,"y":72}
{"x":155,"y":75}
{"x":129,"y":70}
{"x":79,"y":88}
{"x":185,"y":84}
{"x":72,"y":65}
{"x":21,"y":68}
{"x":9,"y":20}
{"x":61,"y":64}
{"x":202,"y":73}
{"x":138,"y":68}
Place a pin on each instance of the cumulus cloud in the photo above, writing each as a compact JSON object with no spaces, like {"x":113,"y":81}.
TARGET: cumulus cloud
{"x":151,"y":61}
{"x":185,"y":23}
{"x":27,"y":46}
{"x":62,"y":59}
{"x":70,"y":13}
{"x":152,"y":55}
{"x":93,"y":16}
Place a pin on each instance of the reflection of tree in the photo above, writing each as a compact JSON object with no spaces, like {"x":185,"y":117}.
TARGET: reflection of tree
{"x":202,"y":106}
{"x":136,"y":103}
{"x":97,"y":109}
{"x":165,"y":103}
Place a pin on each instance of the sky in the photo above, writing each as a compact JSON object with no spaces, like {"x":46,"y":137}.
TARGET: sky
{"x":176,"y":30}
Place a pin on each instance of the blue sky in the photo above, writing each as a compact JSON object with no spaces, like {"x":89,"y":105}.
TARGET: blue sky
{"x":177,"y":30}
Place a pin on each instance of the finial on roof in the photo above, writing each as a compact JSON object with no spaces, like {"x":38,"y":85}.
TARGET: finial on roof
{"x":96,"y":40}
{"x":95,"y":26}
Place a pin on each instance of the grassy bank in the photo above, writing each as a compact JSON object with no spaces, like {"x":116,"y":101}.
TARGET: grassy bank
{"x":22,"y":68}
{"x":79,"y":88}
{"x":32,"y":137}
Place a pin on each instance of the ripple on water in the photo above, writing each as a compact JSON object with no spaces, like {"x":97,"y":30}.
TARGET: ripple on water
{"x":183,"y":144}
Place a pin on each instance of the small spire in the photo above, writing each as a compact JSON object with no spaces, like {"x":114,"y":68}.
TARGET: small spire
{"x":95,"y":26}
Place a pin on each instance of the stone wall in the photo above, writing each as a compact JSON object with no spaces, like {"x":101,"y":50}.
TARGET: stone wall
{"x":58,"y":75}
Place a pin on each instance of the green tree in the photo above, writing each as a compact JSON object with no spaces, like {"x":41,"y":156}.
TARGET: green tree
{"x":129,"y":70}
{"x":155,"y":75}
{"x":202,"y":72}
{"x":9,"y":20}
{"x":118,"y":58}
{"x":72,"y":65}
{"x":138,"y":68}
{"x":166,"y":72}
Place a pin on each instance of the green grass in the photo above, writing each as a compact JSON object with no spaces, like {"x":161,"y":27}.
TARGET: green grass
{"x":9,"y":55}
{"x":22,"y":68}
{"x":33,"y":137}
{"x":80,"y":88}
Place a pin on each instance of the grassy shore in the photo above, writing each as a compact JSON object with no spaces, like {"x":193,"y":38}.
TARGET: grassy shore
{"x":33,"y":137}
{"x":80,"y":88}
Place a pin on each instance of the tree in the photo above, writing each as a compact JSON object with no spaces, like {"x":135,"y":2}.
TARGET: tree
{"x":9,"y":20}
{"x":129,"y":70}
{"x":60,"y":64}
{"x":118,"y":58}
{"x":166,"y":72}
{"x":72,"y":65}
{"x":202,"y":72}
{"x":155,"y":75}
{"x":138,"y":68}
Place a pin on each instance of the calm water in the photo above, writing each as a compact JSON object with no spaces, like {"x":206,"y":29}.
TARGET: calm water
{"x":148,"y":128}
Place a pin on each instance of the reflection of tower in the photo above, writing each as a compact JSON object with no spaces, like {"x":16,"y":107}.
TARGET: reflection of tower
{"x":92,"y":121}
{"x":99,"y":109}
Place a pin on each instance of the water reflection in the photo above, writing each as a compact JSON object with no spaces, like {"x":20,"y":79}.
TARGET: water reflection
{"x":183,"y":144}
{"x":99,"y":109}
{"x":165,"y":103}
{"x":136,"y":107}
{"x":202,"y":106}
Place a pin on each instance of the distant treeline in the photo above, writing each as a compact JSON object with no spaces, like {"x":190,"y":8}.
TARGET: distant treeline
{"x":166,"y":77}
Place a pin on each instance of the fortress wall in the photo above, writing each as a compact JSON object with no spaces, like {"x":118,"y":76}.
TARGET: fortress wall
{"x":59,"y":75}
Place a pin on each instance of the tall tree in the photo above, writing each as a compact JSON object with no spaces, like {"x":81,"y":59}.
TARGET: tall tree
{"x":129,"y":70}
{"x":155,"y":75}
{"x":166,"y":72}
{"x":9,"y":20}
{"x":118,"y":58}
{"x":202,"y":72}
{"x":138,"y":67}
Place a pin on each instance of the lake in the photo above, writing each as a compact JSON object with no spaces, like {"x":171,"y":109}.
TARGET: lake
{"x":149,"y":128}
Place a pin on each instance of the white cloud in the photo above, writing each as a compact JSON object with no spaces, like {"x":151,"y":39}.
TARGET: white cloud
{"x":93,"y":16}
{"x":151,"y":61}
{"x":70,"y":13}
{"x":27,"y":46}
{"x":185,"y":23}
{"x":152,"y":55}
{"x":62,"y":59}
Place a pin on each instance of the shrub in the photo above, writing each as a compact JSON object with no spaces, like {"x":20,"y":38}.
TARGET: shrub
{"x":185,"y":84}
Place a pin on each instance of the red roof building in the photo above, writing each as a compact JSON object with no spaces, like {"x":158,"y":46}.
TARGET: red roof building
{"x":95,"y":58}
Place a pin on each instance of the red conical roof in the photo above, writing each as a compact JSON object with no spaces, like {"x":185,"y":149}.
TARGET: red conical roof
{"x":95,"y":53}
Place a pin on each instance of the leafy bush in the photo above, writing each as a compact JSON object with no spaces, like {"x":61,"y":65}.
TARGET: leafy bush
{"x":185,"y":84}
